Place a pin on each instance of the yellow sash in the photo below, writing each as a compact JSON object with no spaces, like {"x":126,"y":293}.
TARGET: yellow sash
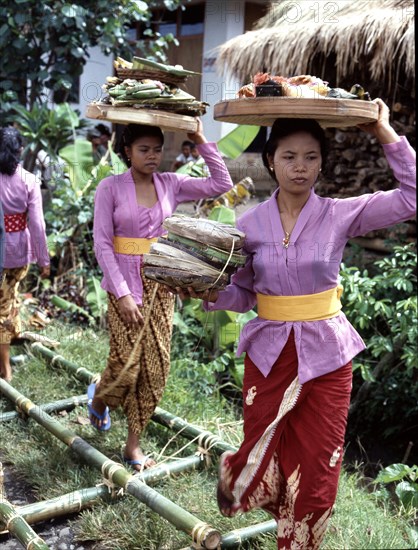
{"x":132,"y":246}
{"x":308,"y":307}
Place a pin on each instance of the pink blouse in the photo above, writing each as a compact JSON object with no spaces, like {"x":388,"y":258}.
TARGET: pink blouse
{"x":311,"y":264}
{"x":117,"y":213}
{"x":18,"y":194}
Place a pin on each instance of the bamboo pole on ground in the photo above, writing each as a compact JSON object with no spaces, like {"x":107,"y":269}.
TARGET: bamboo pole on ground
{"x":81,"y":373}
{"x":205,"y":439}
{"x":54,"y":406}
{"x":78,"y":500}
{"x":237,"y":537}
{"x":11,"y":521}
{"x":201,"y":532}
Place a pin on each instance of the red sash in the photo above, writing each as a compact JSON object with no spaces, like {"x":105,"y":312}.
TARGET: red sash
{"x":15,"y":222}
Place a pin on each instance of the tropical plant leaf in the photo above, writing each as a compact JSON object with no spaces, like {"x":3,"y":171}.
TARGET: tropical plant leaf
{"x":234,"y":144}
{"x":394,"y":472}
{"x":79,"y":159}
{"x":223,"y":214}
{"x":96,"y":297}
{"x":407,"y":493}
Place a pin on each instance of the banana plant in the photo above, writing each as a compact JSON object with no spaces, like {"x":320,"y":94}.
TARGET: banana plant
{"x":45,"y":129}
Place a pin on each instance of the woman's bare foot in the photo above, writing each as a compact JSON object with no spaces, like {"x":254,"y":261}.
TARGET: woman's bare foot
{"x":138,"y":460}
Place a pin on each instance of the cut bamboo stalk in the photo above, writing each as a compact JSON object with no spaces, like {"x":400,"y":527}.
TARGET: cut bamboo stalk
{"x":54,"y":406}
{"x":65,"y":305}
{"x":81,"y":373}
{"x":236,"y":537}
{"x":64,"y":505}
{"x":201,"y":532}
{"x":10,"y":520}
{"x":205,"y":439}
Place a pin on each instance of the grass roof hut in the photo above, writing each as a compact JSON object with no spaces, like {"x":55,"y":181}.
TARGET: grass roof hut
{"x":343,"y":42}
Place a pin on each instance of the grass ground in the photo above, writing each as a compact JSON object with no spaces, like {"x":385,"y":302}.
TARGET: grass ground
{"x":52,"y":469}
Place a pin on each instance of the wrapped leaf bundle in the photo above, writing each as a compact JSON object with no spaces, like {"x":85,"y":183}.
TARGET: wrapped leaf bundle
{"x":199,"y":253}
{"x":144,"y":84}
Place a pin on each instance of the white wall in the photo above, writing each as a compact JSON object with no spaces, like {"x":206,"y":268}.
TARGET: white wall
{"x":224,"y":19}
{"x":97,"y":68}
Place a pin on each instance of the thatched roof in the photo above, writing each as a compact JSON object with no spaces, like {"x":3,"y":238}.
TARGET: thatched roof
{"x":373,"y":39}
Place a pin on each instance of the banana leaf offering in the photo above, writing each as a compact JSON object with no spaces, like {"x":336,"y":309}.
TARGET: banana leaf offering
{"x":197,"y":253}
{"x":150,"y":85}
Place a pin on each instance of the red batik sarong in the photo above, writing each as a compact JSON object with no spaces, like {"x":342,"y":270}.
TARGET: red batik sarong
{"x":290,"y":459}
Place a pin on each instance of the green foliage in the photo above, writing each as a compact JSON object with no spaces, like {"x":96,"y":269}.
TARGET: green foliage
{"x":384,"y":308}
{"x":405,"y":479}
{"x":44,"y":128}
{"x":402,"y":483}
{"x":236,"y":142}
{"x":78,"y":157}
{"x":223,"y":214}
{"x":96,"y":298}
{"x":210,"y":337}
{"x":44,"y":45}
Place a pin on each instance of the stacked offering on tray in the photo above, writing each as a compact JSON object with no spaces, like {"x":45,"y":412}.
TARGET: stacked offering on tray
{"x":302,"y":86}
{"x":150,"y":85}
{"x":197,"y":253}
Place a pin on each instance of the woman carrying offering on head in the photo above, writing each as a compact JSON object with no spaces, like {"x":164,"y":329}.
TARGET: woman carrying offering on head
{"x":128,"y":216}
{"x":25,"y":237}
{"x":298,"y":370}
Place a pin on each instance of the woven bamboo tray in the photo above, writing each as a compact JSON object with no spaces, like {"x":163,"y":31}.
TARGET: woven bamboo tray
{"x":329,"y":112}
{"x":139,"y":74}
{"x":129,"y":115}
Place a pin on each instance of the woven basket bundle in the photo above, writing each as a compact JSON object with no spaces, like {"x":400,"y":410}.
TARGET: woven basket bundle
{"x":197,"y":253}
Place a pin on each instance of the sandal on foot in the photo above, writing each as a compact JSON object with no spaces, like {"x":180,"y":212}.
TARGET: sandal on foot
{"x":138,"y":462}
{"x":104,"y":418}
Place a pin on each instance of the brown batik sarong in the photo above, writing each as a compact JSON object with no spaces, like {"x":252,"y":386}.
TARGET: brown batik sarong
{"x":141,"y":387}
{"x":10,"y":322}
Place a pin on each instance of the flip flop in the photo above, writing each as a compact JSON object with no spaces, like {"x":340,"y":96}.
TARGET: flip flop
{"x":137,"y":462}
{"x":105,"y":417}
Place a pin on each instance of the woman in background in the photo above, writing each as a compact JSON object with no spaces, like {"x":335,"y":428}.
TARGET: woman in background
{"x":25,"y":237}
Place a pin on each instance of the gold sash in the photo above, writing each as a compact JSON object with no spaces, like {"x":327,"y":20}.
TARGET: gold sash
{"x":132,"y":246}
{"x":308,"y":307}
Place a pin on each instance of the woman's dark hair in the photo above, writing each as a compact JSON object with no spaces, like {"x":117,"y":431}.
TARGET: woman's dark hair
{"x":135,"y":131}
{"x":284,"y":127}
{"x":103,"y":129}
{"x":11,"y":143}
